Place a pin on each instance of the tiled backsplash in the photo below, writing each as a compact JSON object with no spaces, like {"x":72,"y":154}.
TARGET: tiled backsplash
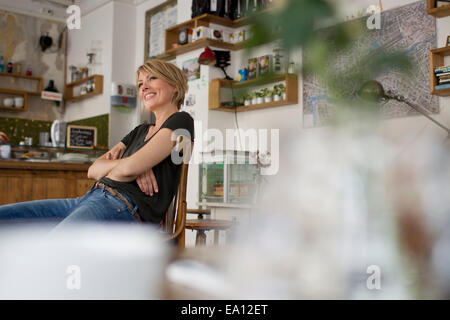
{"x":17,"y":129}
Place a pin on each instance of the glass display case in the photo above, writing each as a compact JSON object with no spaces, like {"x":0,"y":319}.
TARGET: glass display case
{"x":228,"y":177}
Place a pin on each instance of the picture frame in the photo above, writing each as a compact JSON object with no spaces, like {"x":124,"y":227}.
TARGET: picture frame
{"x":82,"y":137}
{"x":160,"y":17}
{"x":448,"y":41}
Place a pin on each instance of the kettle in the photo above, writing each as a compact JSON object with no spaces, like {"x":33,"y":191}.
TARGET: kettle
{"x":58,"y":133}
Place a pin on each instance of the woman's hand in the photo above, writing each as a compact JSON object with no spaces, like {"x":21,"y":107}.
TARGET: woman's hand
{"x":116,"y":152}
{"x":3,"y":137}
{"x":147,"y":182}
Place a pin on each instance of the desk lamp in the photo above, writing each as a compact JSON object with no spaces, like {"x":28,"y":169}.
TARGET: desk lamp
{"x":373,"y":91}
{"x":218,"y":58}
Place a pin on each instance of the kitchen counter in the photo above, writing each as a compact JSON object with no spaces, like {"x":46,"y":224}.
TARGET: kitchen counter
{"x":43,"y":165}
{"x":22,"y":180}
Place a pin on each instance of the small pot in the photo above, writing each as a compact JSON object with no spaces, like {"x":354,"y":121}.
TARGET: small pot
{"x":255,"y":101}
{"x":276,"y":98}
{"x":247,"y":102}
{"x":267,"y":99}
{"x":259,"y":100}
{"x":283,"y":95}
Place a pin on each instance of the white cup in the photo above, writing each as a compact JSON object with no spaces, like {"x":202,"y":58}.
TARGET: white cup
{"x":8,"y":102}
{"x":5,"y":151}
{"x":18,"y":102}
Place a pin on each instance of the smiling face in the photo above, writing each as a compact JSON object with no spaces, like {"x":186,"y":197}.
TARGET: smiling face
{"x":154,"y":92}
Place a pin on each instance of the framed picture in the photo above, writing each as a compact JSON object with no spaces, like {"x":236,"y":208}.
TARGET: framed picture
{"x":157,"y":20}
{"x":448,"y":41}
{"x":191,"y":68}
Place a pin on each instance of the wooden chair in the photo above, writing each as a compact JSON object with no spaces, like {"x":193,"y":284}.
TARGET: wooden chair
{"x":175,"y":220}
{"x":201,"y":225}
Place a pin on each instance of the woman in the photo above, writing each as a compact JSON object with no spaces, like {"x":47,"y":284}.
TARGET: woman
{"x":137,"y":179}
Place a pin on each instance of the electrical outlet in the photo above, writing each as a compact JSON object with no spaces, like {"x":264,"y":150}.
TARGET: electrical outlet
{"x":47,"y":11}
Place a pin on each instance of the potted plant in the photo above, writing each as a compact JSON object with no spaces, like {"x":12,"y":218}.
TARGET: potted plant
{"x":283,"y":91}
{"x":253,"y":96}
{"x":247,"y":99}
{"x":267,"y":95}
{"x":259,"y":97}
{"x":276,"y":93}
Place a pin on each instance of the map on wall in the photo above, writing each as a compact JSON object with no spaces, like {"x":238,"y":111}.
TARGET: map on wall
{"x":409,"y":29}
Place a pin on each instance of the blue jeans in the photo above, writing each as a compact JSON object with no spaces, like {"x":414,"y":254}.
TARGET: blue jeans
{"x":96,"y":205}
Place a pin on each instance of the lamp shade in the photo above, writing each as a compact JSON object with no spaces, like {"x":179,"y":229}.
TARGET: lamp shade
{"x":207,"y":57}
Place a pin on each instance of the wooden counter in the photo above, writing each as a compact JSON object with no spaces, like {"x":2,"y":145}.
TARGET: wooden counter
{"x":25,"y":181}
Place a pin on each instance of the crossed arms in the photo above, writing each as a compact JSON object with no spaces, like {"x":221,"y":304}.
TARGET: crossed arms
{"x":137,"y":166}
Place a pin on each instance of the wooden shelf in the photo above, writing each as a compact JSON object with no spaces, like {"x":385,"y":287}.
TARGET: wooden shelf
{"x":14,"y":93}
{"x":19,"y":76}
{"x":171,"y":35}
{"x":98,"y":88}
{"x":172,"y":53}
{"x":291,"y":83}
{"x":439,"y":12}
{"x":437,"y":60}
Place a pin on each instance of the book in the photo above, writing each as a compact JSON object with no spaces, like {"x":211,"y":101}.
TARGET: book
{"x":444,"y":77}
{"x":443,"y":74}
{"x":441,"y":67}
{"x":442,"y":86}
{"x":442,"y":70}
{"x":444,"y":81}
{"x":265,"y":64}
{"x":252,"y":68}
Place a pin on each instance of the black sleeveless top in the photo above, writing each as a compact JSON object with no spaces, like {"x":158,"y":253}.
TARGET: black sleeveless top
{"x":167,"y":174}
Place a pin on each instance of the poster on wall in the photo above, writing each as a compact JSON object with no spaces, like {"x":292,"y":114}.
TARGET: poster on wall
{"x":157,"y":20}
{"x":191,"y":68}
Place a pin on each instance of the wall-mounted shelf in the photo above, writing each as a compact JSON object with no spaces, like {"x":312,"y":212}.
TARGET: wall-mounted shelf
{"x":438,"y":12}
{"x":437,"y":60}
{"x":13,"y":92}
{"x":291,"y":83}
{"x":69,"y":88}
{"x":204,"y":20}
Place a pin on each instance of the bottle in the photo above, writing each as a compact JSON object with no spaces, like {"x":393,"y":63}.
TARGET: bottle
{"x":2,"y":64}
{"x":29,"y":71}
{"x":213,"y":7}
{"x":9,"y":67}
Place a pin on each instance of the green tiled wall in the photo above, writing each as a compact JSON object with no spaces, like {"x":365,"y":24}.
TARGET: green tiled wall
{"x":17,"y":129}
{"x":102,"y":124}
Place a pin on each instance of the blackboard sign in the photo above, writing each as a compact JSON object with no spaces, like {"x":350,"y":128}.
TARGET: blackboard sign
{"x":81,"y":137}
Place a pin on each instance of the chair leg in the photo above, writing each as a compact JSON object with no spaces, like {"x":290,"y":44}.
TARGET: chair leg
{"x":201,"y":238}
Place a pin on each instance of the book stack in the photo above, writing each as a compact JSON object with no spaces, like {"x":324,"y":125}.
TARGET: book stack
{"x":441,"y":3}
{"x":443,"y":74}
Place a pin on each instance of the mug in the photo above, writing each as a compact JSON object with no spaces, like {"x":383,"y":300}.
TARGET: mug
{"x":5,"y":151}
{"x":18,"y":102}
{"x":8,"y":102}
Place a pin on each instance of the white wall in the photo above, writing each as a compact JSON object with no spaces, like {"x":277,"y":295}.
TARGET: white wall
{"x":95,"y":26}
{"x":123,"y":67}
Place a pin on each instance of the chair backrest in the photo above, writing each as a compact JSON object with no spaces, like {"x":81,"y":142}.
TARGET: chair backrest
{"x":175,"y":220}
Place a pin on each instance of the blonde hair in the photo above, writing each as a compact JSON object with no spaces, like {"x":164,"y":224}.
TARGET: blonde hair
{"x":169,"y":73}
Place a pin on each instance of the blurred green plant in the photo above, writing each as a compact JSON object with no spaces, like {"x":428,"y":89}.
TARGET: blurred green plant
{"x":313,"y":26}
